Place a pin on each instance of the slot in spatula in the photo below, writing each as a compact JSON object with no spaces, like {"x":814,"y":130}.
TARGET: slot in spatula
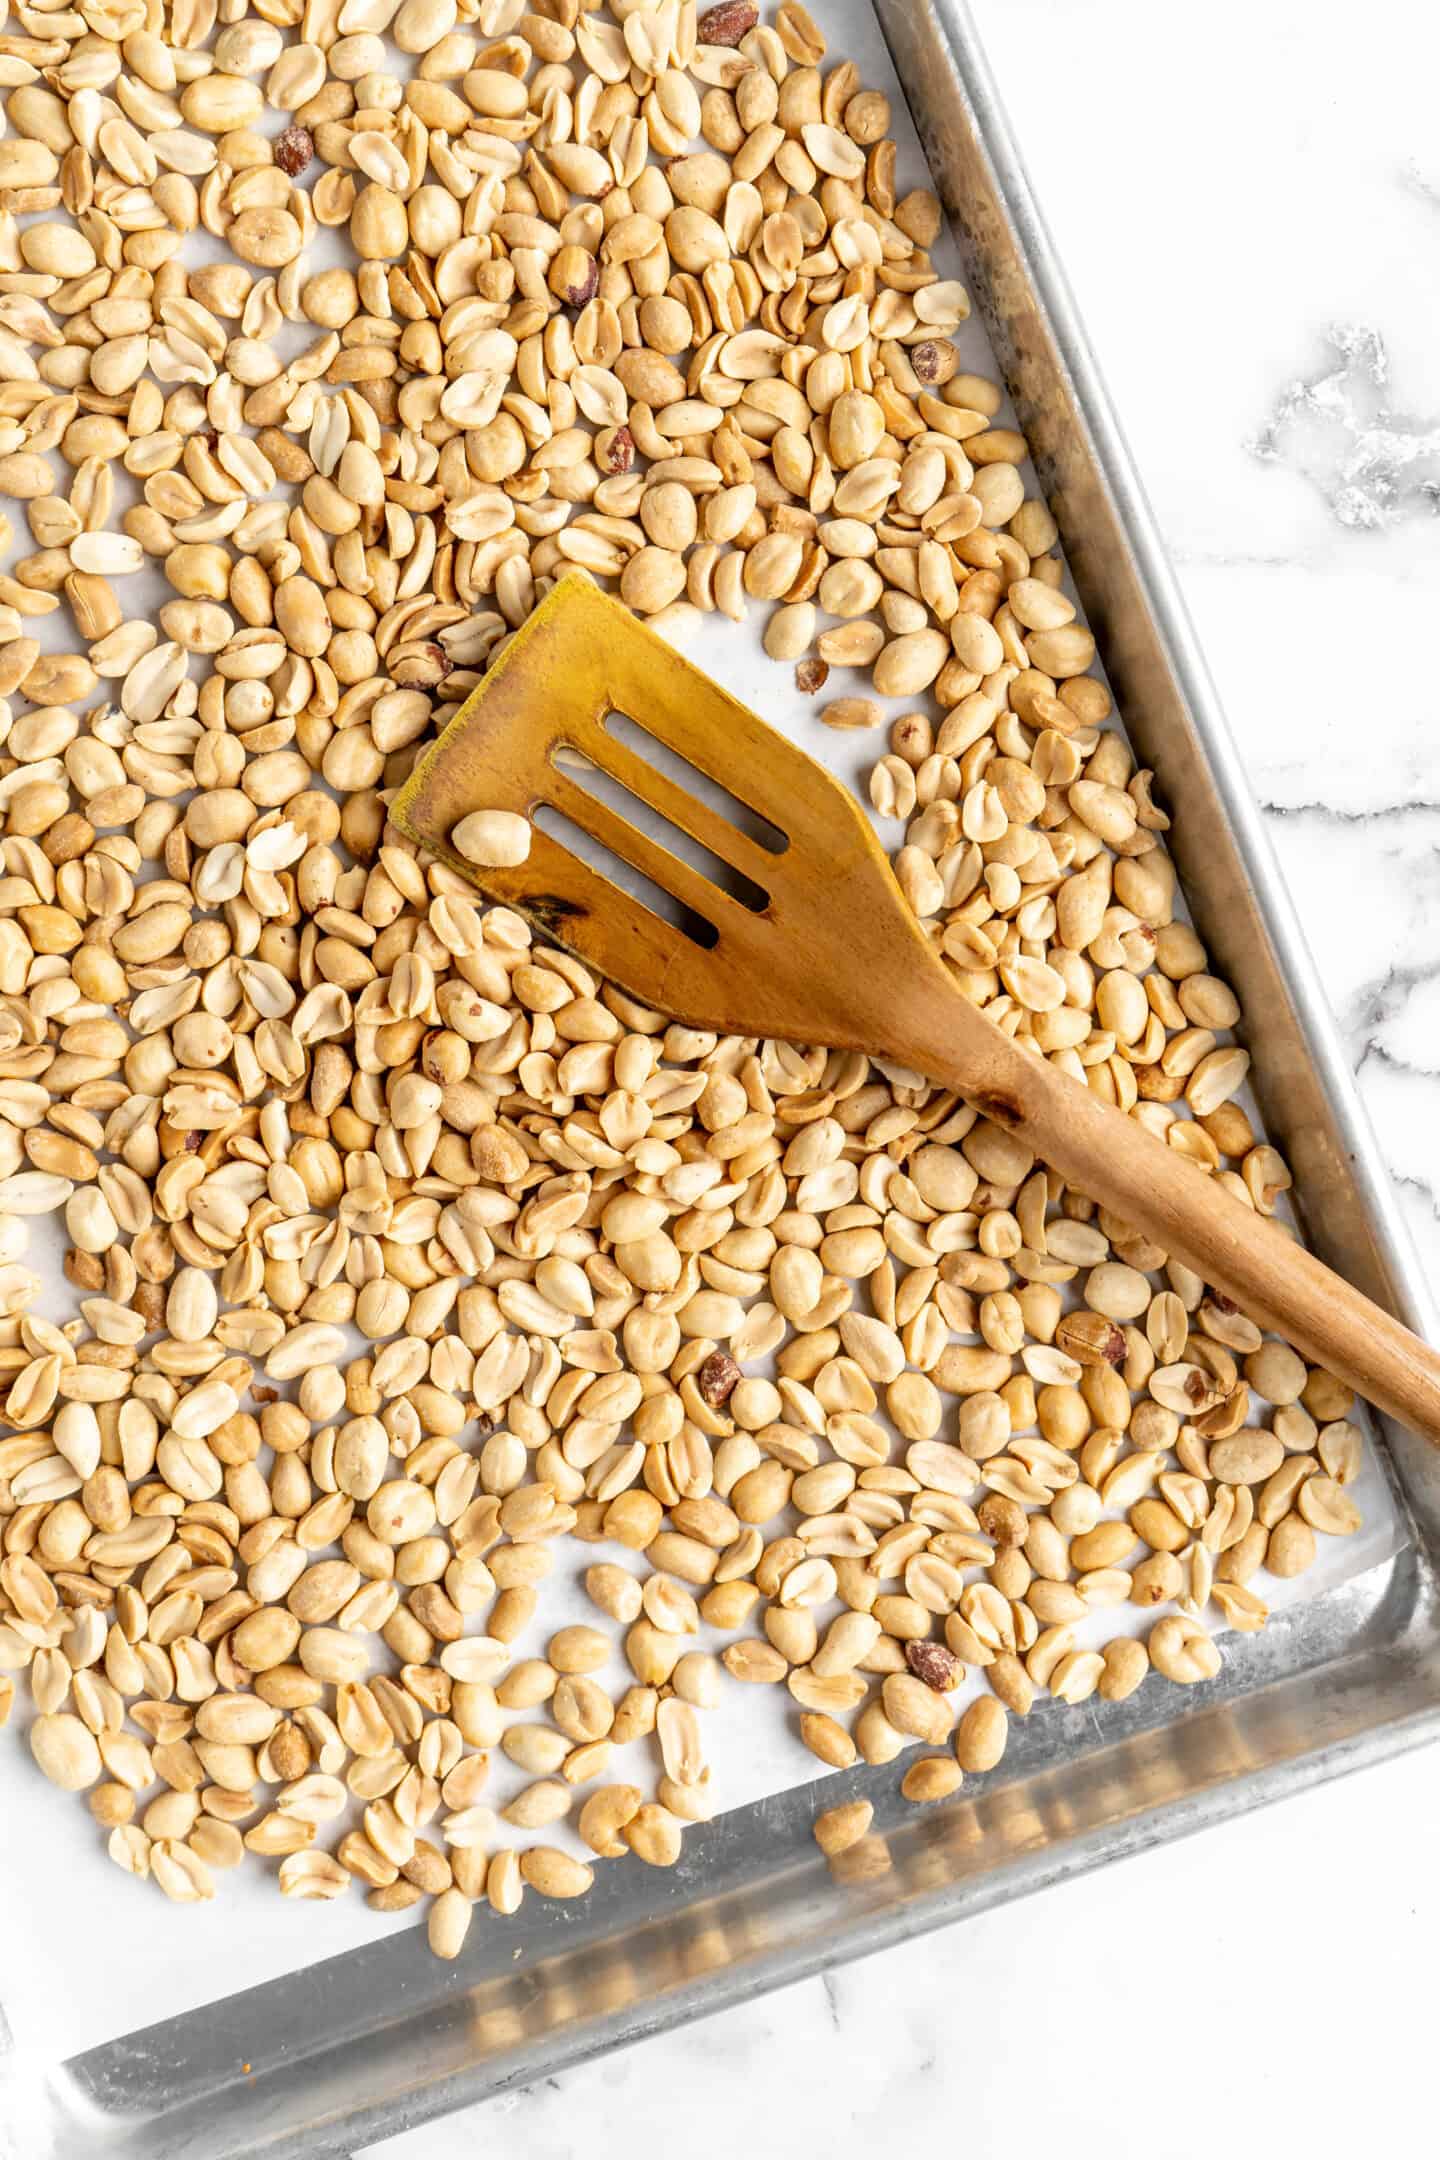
{"x":777,"y":914}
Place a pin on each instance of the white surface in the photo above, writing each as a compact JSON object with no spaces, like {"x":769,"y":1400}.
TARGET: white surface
{"x":1132,"y":2015}
{"x":1276,"y":197}
{"x":1224,"y":185}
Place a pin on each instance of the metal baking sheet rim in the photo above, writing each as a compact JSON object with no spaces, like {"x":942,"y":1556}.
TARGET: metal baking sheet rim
{"x":1338,"y":1683}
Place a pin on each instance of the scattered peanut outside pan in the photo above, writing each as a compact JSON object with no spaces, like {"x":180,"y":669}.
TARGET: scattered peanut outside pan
{"x":822,"y":1371}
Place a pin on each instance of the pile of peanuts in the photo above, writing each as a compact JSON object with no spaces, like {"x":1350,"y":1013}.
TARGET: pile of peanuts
{"x":406,"y":1251}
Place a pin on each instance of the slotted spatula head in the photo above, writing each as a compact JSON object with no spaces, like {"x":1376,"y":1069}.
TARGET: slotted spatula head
{"x":794,"y":932}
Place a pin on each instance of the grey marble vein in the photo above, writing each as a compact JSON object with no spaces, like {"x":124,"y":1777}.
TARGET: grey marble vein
{"x":829,"y":1982}
{"x":1371,"y":461}
{"x":1336,"y":813}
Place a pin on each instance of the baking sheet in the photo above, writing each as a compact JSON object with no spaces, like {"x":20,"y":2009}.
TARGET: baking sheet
{"x":86,"y":1953}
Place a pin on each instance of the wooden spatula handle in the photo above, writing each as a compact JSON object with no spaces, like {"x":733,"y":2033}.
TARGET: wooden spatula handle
{"x":1107,"y":1155}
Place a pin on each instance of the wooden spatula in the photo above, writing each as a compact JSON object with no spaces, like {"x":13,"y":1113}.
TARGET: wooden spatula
{"x":796,"y":928}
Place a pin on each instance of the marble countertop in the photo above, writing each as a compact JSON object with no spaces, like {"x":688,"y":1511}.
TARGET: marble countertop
{"x":1248,"y":201}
